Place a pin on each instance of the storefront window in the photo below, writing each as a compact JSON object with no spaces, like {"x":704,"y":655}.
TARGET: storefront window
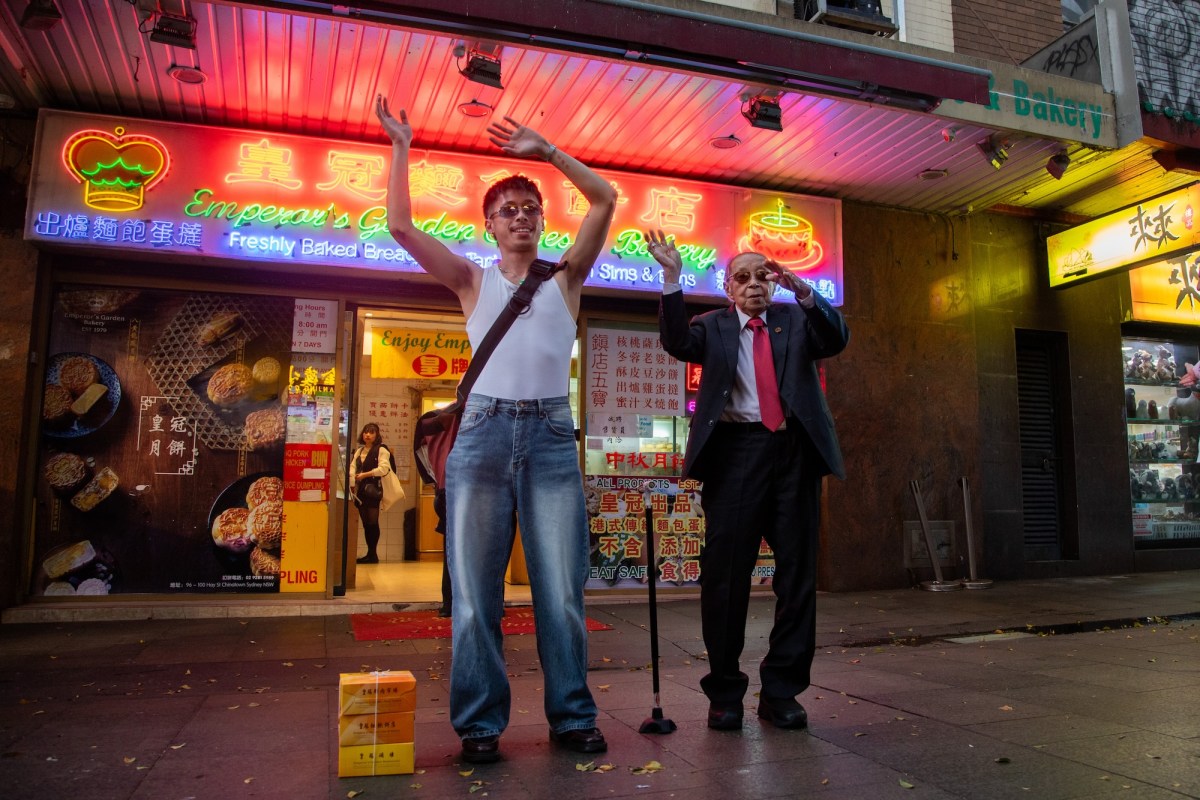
{"x":634,"y":435}
{"x":166,"y":442}
{"x":1162,"y":413}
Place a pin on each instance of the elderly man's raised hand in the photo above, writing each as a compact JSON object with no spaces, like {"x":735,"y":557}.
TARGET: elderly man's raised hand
{"x":665,"y":253}
{"x":781,"y":276}
{"x":398,"y":130}
{"x":517,"y":140}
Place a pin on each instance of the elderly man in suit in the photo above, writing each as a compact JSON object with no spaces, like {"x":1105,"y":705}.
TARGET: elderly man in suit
{"x":761,"y":440}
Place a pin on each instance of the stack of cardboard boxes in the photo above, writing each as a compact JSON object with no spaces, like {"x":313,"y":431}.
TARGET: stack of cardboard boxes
{"x":375,"y":723}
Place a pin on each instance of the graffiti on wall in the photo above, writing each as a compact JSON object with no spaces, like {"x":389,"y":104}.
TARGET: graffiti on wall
{"x":1166,"y":41}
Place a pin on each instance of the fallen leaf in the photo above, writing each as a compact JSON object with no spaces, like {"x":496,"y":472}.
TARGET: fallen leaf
{"x":466,"y":773}
{"x":906,"y":785}
{"x":248,"y":780}
{"x":353,"y":793}
{"x":231,"y":708}
{"x":1151,"y":755}
{"x":824,"y":781}
{"x":606,"y":768}
{"x":476,"y":786}
{"x":1003,"y":760}
{"x":650,"y":767}
{"x":129,"y":760}
{"x":1006,"y":708}
{"x":588,"y":767}
{"x":288,"y":664}
{"x":177,"y":746}
{"x":604,"y":687}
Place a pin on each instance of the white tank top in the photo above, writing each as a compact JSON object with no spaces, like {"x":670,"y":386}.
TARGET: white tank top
{"x":533,"y":360}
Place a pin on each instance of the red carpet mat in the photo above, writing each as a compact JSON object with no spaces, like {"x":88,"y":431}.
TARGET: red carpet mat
{"x":428,"y":625}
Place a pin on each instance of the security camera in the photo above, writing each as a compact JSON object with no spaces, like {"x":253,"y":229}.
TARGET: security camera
{"x":949,"y":134}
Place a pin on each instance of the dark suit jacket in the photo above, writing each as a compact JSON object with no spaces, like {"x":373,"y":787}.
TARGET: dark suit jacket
{"x":799,"y":337}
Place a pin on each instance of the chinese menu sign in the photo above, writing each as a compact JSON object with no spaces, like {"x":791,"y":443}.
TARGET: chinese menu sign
{"x":121,"y":184}
{"x":619,"y":509}
{"x":629,"y":372}
{"x":395,"y":421}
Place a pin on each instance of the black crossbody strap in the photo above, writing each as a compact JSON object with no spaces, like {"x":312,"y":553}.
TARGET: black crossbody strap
{"x":539,"y":271}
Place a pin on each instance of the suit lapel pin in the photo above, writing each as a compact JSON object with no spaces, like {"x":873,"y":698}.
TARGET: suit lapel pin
{"x":778,"y":329}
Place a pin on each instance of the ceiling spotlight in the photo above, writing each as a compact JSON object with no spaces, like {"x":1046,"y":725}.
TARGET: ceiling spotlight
{"x":41,"y":15}
{"x":764,"y":112}
{"x":193,"y":76}
{"x":1057,"y":165}
{"x":174,"y":30}
{"x":474,"y":109}
{"x":994,"y":149}
{"x":725,"y":142}
{"x":482,"y":69}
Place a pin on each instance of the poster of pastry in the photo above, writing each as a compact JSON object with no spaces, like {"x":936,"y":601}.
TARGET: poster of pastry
{"x":162,"y":439}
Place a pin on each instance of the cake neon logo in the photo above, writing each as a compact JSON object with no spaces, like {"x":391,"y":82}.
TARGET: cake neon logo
{"x":783,"y":237}
{"x":116,"y":170}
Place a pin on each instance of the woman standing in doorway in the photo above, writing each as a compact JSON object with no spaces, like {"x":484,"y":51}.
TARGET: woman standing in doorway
{"x":370,"y":463}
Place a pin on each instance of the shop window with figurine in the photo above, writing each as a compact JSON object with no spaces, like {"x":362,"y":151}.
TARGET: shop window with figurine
{"x":1162,"y":410}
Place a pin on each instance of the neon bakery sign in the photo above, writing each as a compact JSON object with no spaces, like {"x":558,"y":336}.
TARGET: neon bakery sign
{"x":196,"y":191}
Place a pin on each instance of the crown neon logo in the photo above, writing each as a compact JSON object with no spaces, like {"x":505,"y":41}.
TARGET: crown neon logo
{"x":116,"y":170}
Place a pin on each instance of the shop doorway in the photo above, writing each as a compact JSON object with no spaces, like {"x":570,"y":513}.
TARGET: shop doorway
{"x":1047,"y":469}
{"x":406,"y":363}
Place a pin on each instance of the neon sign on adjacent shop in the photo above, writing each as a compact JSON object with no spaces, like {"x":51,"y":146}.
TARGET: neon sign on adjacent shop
{"x":195,"y":191}
{"x":1159,"y":229}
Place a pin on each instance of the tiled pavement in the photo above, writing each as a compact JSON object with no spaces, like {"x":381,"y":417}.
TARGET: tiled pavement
{"x":245,"y":707}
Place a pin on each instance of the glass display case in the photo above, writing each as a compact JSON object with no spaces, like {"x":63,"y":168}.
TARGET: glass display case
{"x":1162,"y":411}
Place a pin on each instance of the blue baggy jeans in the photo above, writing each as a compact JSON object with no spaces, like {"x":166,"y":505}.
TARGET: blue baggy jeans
{"x":522,"y":455}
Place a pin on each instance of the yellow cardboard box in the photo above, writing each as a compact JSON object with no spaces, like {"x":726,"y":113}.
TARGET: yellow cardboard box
{"x":379,"y":759}
{"x":366,"y":729}
{"x":377,"y":692}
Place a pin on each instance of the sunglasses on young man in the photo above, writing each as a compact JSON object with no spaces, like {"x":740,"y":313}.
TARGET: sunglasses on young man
{"x":511,"y":210}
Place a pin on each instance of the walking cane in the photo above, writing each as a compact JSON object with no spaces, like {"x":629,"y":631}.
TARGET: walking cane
{"x":655,"y":723}
{"x":936,"y":585}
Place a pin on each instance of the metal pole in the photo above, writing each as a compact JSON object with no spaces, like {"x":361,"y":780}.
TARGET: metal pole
{"x":936,"y":585}
{"x":974,"y":581}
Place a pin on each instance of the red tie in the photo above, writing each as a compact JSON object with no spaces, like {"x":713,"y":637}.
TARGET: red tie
{"x":764,"y":377}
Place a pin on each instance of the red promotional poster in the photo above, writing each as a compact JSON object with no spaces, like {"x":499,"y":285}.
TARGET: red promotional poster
{"x":306,"y":472}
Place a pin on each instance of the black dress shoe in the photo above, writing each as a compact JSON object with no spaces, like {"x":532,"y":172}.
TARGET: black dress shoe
{"x":581,"y":740}
{"x":725,"y":716}
{"x":368,"y":560}
{"x":783,"y":712}
{"x":481,"y":750}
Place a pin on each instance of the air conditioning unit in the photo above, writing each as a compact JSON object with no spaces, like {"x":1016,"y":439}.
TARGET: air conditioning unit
{"x":865,"y":16}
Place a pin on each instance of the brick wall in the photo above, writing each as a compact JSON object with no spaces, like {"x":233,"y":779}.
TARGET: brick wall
{"x":1008,"y":31}
{"x":929,"y":23}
